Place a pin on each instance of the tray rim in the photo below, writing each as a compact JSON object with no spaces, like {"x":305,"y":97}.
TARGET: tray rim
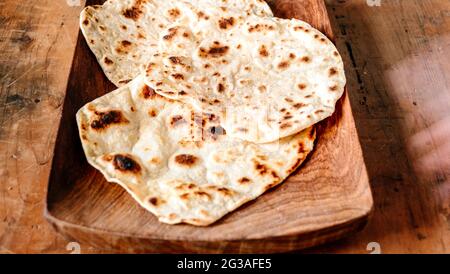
{"x":295,"y":241}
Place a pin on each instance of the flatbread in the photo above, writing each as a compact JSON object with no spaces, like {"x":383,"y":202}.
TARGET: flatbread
{"x":123,"y":34}
{"x":180,"y":164}
{"x":266,"y":77}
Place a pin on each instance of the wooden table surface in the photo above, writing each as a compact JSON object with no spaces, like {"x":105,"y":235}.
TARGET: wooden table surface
{"x":397,"y":58}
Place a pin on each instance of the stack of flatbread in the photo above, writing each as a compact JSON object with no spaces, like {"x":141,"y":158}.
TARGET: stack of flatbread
{"x":216,"y":101}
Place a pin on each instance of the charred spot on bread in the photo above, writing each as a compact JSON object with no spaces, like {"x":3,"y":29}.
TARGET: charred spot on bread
{"x":283,"y":65}
{"x":178,"y":76}
{"x":186,"y":159}
{"x":285,"y":125}
{"x":147,"y":92}
{"x":202,"y":15}
{"x":171,"y":33}
{"x":152,"y":112}
{"x":260,"y":27}
{"x":244,"y":180}
{"x":105,"y":119}
{"x":263,"y":51}
{"x":132,"y":13}
{"x":125,"y":43}
{"x":203,"y":194}
{"x":125,"y":81}
{"x":301,"y":86}
{"x":175,"y":60}
{"x":261,"y":168}
{"x":174,"y":13}
{"x":155,"y":201}
{"x":220,"y":87}
{"x":125,"y":163}
{"x":123,"y":47}
{"x":177,"y":120}
{"x":107,"y":61}
{"x":184,"y":196}
{"x":332,"y":72}
{"x":215,"y":131}
{"x":215,"y":51}
{"x":225,"y":191}
{"x":306,"y":59}
{"x":135,"y":11}
{"x":300,"y":150}
{"x":226,"y":23}
{"x":299,"y":105}
{"x":334,"y":88}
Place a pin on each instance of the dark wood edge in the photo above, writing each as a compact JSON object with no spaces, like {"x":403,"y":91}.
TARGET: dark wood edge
{"x":286,"y":243}
{"x":60,"y":126}
{"x":60,"y":123}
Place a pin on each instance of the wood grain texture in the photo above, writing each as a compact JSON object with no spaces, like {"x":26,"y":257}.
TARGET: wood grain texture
{"x":381,"y":47}
{"x":398,"y":64}
{"x":37,"y":39}
{"x":326,"y":199}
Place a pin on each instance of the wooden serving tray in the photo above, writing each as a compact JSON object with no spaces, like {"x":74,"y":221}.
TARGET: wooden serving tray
{"x":327,"y":198}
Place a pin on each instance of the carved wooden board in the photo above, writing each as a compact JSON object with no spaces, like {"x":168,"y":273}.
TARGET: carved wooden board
{"x":327,"y":198}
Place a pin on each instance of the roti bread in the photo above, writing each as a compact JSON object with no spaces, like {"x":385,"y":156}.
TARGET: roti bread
{"x":123,"y":34}
{"x":178,"y":163}
{"x":266,"y":77}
